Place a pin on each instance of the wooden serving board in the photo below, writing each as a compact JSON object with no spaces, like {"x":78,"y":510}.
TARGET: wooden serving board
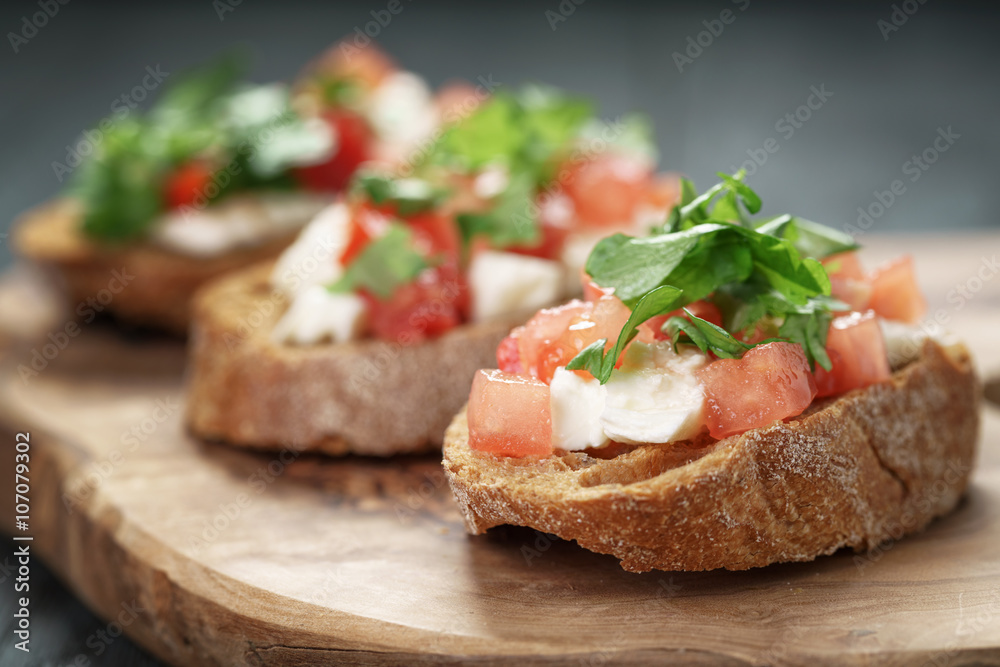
{"x":277,"y":559}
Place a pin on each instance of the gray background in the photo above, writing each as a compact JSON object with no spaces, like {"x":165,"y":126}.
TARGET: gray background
{"x":889,"y":96}
{"x":889,"y":99}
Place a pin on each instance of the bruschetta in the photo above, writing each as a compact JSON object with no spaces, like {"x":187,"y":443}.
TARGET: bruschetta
{"x":733,"y":393}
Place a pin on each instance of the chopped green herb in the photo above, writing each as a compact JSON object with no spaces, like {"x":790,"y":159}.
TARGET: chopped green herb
{"x":384,"y":265}
{"x":410,"y":195}
{"x":757,"y":275}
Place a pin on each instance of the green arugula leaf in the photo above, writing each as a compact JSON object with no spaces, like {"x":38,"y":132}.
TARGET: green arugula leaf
{"x":384,"y":265}
{"x":757,"y":275}
{"x":593,"y":358}
{"x":809,"y":330}
{"x":120,"y":191}
{"x":195,"y":92}
{"x":809,"y":238}
{"x":511,"y":220}
{"x":410,"y":195}
{"x":738,"y":187}
{"x":707,"y":336}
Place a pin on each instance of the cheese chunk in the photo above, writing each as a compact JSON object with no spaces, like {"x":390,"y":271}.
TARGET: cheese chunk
{"x":655,"y":397}
{"x":317,"y":315}
{"x":236,"y":222}
{"x":576,"y":405}
{"x":505,"y":282}
{"x":314,"y":258}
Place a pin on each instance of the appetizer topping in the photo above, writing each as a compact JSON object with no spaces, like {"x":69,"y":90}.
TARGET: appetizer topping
{"x":712,"y":322}
{"x":476,"y":229}
{"x":167,"y":174}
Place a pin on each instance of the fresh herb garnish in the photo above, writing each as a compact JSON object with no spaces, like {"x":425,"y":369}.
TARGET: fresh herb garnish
{"x":706,"y":336}
{"x":250,"y":135}
{"x":384,"y":265}
{"x":757,"y":275}
{"x":525,"y":135}
{"x":410,"y":196}
{"x":511,"y":220}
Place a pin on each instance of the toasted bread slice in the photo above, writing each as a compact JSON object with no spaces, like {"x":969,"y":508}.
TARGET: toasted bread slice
{"x":367,"y":397}
{"x":853,"y":471}
{"x":138,"y":283}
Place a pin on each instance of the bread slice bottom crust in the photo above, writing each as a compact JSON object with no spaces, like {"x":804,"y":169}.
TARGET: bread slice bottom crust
{"x":368,"y":397}
{"x":148,"y":286}
{"x":854,"y":471}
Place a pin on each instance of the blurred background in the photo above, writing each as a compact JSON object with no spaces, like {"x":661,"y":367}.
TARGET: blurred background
{"x":826,"y":105}
{"x":848,"y":96}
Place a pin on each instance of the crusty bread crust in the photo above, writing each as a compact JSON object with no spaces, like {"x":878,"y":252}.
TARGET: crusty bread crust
{"x":367,"y":397}
{"x":868,"y":466}
{"x":162,"y":283}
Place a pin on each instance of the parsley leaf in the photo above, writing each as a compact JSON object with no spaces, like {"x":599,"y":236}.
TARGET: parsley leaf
{"x":593,"y":359}
{"x":384,"y":265}
{"x":707,"y":336}
{"x":510,"y":221}
{"x":410,"y":196}
{"x":758,"y":275}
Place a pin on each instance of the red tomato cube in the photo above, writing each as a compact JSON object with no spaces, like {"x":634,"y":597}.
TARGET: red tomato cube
{"x":509,"y":415}
{"x":857,"y":354}
{"x":769,"y":383}
{"x":895,"y":292}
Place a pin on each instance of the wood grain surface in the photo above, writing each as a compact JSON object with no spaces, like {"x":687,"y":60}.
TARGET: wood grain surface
{"x":233,"y":557}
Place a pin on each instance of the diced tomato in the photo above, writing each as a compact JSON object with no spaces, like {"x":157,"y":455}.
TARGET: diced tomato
{"x":367,"y":65}
{"x":857,"y":354}
{"x":857,"y":294}
{"x":606,"y":189}
{"x":549,"y":245}
{"x":591,"y":290}
{"x":771,"y":382}
{"x":664,"y":191}
{"x":895,"y":292}
{"x":187,"y":184}
{"x":354,"y":141}
{"x":844,"y":265}
{"x":652,"y":330}
{"x":509,"y":415}
{"x":367,"y":223}
{"x":457,"y":99}
{"x":437,"y":236}
{"x":847,"y":280}
{"x":554,"y":336}
{"x":425,"y":308}
{"x":509,"y":356}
